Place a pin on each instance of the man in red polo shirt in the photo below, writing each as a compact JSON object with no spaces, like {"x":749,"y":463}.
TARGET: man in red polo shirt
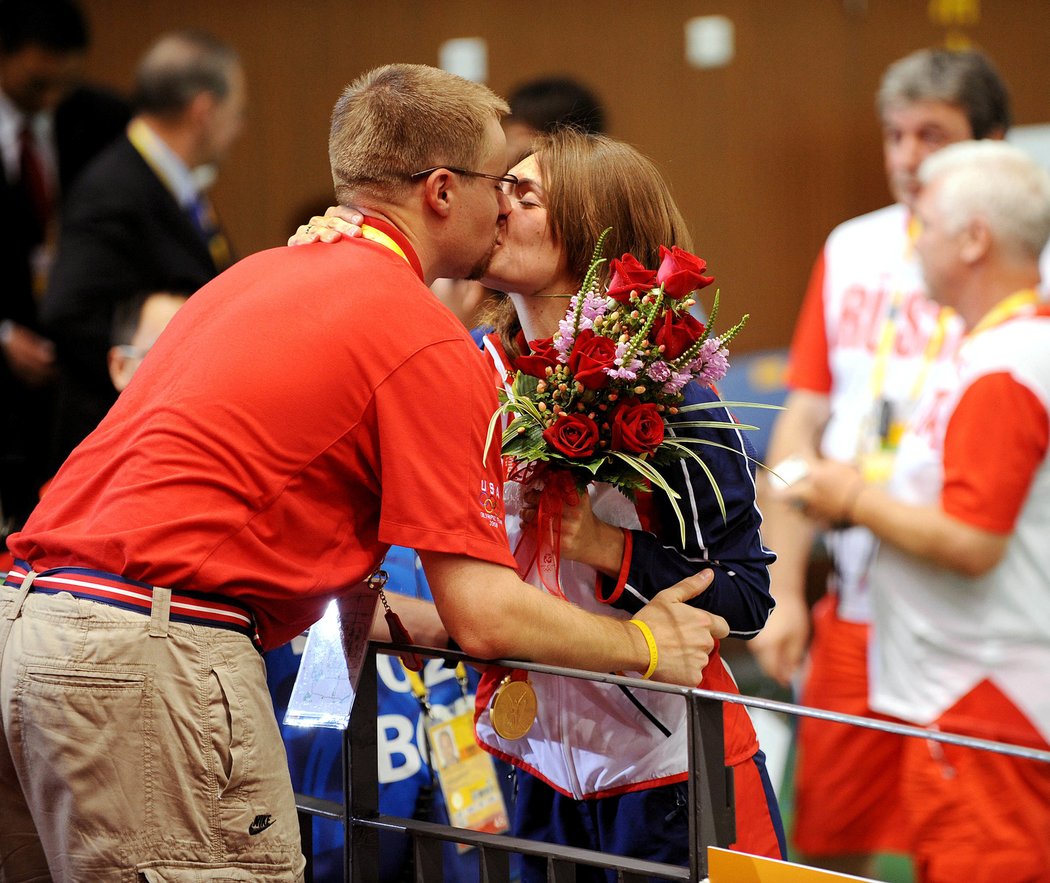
{"x":307,"y":409}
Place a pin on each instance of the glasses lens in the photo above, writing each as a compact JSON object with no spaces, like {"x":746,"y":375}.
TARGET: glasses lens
{"x":508,"y":186}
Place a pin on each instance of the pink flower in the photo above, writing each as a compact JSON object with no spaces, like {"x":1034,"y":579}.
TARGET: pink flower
{"x":659,"y":371}
{"x":711,"y":363}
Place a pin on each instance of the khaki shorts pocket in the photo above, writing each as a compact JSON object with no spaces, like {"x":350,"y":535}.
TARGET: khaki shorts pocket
{"x":240,"y":872}
{"x":75,"y":755}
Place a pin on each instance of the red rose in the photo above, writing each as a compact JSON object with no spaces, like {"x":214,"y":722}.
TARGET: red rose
{"x":591,"y":355}
{"x":681,"y":272}
{"x":637,"y":428}
{"x":573,"y":435}
{"x":628,"y":275}
{"x":542,"y":355}
{"x":676,"y":332}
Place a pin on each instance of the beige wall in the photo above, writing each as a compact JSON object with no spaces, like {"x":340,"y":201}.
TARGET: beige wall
{"x":764,"y":155}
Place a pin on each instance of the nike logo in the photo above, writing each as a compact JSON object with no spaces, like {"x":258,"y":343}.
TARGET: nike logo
{"x":260,"y":824}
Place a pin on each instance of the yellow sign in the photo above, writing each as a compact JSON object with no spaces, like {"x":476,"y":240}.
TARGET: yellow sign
{"x":953,"y":15}
{"x":962,"y":13}
{"x":736,"y":867}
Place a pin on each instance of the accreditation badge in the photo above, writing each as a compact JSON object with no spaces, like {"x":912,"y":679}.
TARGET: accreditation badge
{"x":880,"y":439}
{"x":467,"y":777}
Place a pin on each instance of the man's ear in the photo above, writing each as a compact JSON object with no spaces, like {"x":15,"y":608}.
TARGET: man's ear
{"x":201,"y":107}
{"x":977,"y":239}
{"x":119,"y":368}
{"x":439,"y":191}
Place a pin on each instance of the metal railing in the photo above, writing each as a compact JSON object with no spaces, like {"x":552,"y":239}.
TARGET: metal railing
{"x":710,"y":787}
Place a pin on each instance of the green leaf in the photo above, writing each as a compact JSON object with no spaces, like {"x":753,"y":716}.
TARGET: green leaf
{"x":493,"y":421}
{"x":710,"y":477}
{"x":708,"y":442}
{"x":657,"y":480}
{"x":710,"y":424}
{"x":704,"y":406}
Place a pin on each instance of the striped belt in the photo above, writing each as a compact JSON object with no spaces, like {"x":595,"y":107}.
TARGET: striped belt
{"x":194,"y":608}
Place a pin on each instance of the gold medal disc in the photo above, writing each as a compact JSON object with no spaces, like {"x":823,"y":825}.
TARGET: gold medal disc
{"x":513,"y":709}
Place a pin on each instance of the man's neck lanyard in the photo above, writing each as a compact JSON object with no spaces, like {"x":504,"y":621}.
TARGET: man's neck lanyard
{"x":420,"y":691}
{"x":149,"y":145}
{"x":888,"y":335}
{"x":373,"y":234}
{"x":1018,"y":304}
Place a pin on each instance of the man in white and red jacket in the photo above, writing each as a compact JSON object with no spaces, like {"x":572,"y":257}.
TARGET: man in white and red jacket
{"x":866,"y":338}
{"x":961,"y":598}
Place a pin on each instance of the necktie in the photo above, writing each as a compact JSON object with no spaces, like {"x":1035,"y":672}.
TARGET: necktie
{"x":202,"y":215}
{"x":34,"y":179}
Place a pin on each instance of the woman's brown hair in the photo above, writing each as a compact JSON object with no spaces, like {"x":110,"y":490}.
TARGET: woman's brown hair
{"x":592,"y":182}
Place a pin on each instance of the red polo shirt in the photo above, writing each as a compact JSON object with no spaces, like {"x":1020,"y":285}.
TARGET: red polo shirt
{"x":303,"y":411}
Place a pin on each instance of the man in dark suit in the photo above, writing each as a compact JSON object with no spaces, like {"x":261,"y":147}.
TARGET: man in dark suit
{"x":138,"y":219}
{"x":50,"y":128}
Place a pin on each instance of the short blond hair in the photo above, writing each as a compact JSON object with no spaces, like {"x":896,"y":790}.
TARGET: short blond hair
{"x":400,"y":119}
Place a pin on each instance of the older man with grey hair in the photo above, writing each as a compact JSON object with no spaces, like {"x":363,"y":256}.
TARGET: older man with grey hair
{"x":139,"y":219}
{"x":962,"y":601}
{"x":866,"y":336}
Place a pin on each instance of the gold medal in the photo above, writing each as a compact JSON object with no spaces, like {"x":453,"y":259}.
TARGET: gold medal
{"x":513,"y":708}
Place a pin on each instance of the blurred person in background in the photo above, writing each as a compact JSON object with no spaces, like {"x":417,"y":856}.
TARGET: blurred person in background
{"x":137,"y":324}
{"x":961,"y":631}
{"x":139,"y":218}
{"x":866,"y":339}
{"x":51,"y":126}
{"x":546,"y":103}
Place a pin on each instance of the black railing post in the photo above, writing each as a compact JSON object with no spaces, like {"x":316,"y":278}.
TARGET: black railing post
{"x":306,"y":843}
{"x":361,"y":778}
{"x":712,"y":819}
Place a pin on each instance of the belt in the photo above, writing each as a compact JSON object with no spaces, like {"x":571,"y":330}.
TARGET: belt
{"x":194,"y":608}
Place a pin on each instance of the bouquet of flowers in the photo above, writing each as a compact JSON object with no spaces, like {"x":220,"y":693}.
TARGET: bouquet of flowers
{"x":594,"y":398}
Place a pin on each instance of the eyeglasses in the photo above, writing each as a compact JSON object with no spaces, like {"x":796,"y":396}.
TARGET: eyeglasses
{"x":507,"y":183}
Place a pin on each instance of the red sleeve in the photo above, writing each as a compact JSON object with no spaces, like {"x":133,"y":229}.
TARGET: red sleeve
{"x":440,"y":492}
{"x":808,"y":366}
{"x":996,"y":439}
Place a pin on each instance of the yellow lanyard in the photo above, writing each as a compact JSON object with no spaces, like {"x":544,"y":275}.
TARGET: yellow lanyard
{"x":889,"y":334}
{"x":1015,"y":304}
{"x":419,"y":689}
{"x":147,"y":144}
{"x":372,"y":234}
